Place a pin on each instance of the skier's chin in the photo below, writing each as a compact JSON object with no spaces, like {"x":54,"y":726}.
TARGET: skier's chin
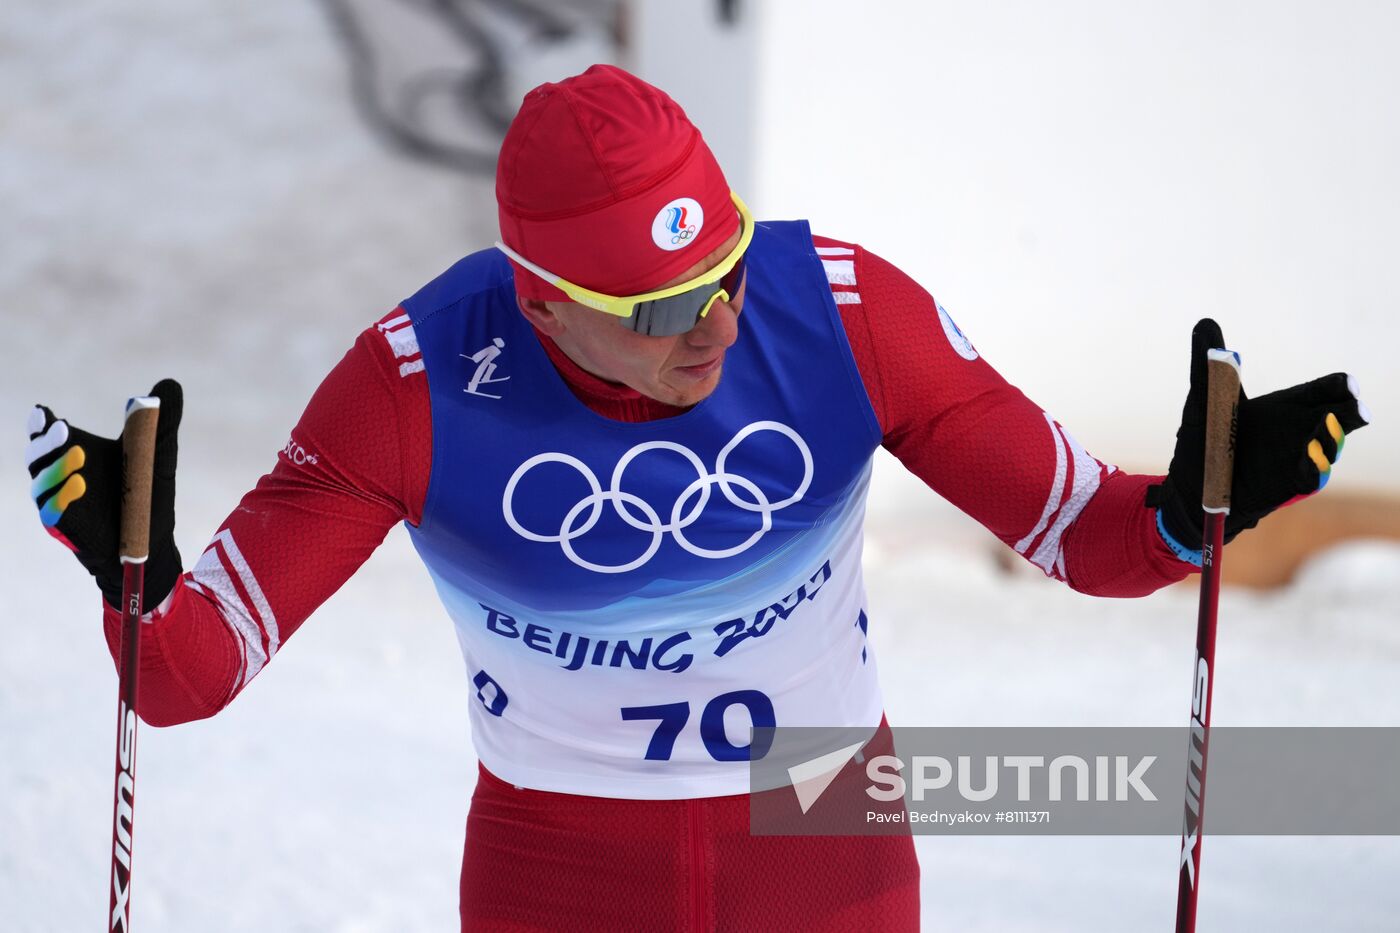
{"x":689,"y":385}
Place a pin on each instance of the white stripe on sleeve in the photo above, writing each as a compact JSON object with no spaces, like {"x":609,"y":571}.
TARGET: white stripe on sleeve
{"x":1057,"y":488}
{"x":1057,"y":517}
{"x":1086,"y":483}
{"x":840,"y":271}
{"x":403,"y":341}
{"x":215,"y":572}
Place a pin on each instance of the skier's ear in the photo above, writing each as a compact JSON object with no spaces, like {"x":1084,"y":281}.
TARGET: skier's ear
{"x":540,"y":314}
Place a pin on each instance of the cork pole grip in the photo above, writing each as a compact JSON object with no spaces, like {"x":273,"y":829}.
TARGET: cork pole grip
{"x":138,"y":463}
{"x":1222,"y":411}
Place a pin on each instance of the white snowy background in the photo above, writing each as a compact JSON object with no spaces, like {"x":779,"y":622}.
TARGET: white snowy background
{"x":186,"y":191}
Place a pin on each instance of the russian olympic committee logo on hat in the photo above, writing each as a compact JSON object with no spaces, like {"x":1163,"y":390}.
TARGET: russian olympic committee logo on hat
{"x":677,"y":224}
{"x":685,"y":511}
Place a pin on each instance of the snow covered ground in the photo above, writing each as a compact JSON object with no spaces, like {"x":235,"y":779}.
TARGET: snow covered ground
{"x":186,"y":192}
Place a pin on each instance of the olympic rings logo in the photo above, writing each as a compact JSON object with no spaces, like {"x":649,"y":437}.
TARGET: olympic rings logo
{"x":677,"y":224}
{"x":639,"y":514}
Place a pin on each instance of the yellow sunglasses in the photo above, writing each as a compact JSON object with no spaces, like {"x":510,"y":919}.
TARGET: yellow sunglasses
{"x":669,"y":311}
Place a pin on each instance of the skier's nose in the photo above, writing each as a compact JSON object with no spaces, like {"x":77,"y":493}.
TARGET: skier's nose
{"x":718,"y":328}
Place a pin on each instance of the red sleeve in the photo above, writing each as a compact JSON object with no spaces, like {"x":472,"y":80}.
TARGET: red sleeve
{"x":974,"y":438}
{"x":356,"y":464}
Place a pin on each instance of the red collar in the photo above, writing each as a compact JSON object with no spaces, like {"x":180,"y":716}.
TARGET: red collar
{"x":610,"y":399}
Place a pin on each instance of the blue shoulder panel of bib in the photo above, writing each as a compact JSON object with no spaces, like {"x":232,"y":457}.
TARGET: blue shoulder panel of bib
{"x":538,"y":505}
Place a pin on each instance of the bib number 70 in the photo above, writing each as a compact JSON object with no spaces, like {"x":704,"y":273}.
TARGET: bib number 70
{"x":672,"y":718}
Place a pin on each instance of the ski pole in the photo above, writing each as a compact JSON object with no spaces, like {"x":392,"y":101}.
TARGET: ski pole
{"x":138,"y":462}
{"x":1222,"y":410}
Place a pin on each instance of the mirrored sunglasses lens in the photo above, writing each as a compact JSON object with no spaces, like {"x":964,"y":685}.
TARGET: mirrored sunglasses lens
{"x":679,"y":313}
{"x":670,"y":316}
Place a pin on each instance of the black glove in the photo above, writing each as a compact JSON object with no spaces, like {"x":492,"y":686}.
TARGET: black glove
{"x":1286,"y":443}
{"x":78,"y":490}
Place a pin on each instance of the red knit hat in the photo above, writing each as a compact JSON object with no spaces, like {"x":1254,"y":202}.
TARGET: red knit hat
{"x":604,"y":181}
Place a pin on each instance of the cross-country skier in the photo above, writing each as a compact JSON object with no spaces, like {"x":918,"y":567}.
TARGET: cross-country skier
{"x":632,"y":446}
